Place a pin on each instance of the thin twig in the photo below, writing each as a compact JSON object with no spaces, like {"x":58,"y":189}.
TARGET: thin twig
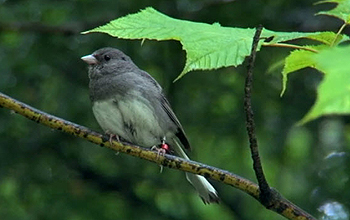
{"x":282,"y":206}
{"x":265,"y":192}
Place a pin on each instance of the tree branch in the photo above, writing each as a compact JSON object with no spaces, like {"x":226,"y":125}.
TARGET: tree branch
{"x":283,"y":207}
{"x":265,"y":195}
{"x":67,"y":29}
{"x":269,"y":197}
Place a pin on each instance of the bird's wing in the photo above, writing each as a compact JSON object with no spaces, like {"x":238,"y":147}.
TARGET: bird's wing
{"x":180,"y":132}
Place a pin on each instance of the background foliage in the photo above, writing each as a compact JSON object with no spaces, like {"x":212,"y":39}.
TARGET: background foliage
{"x":46,"y":174}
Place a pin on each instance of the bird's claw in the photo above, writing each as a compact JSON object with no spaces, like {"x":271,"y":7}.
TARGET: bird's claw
{"x":160,"y":151}
{"x":111,"y":136}
{"x":163,"y":149}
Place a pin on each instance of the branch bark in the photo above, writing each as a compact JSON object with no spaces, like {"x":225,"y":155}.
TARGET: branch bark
{"x":67,"y":29}
{"x":268,"y":197}
{"x":265,"y":191}
{"x":283,"y":206}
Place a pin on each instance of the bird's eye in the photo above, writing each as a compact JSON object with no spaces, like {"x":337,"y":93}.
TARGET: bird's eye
{"x":106,"y":57}
{"x":123,"y":58}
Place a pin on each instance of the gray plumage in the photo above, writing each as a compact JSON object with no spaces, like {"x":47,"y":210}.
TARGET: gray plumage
{"x":129,"y":103}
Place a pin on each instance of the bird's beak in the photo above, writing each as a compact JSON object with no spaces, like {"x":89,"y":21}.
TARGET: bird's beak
{"x":90,"y":59}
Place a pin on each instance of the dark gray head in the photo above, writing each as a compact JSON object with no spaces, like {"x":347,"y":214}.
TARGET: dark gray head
{"x":107,"y":61}
{"x":112,"y":72}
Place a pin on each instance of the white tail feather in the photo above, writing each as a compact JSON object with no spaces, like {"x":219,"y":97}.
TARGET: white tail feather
{"x":206,"y":191}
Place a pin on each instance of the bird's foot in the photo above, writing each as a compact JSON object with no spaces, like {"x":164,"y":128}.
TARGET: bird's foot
{"x":160,"y":152}
{"x":111,"y":136}
{"x":162,"y":149}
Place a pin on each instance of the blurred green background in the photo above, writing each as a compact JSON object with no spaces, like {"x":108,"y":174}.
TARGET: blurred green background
{"x":46,"y":174}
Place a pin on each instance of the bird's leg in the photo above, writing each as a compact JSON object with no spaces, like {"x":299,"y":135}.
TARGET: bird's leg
{"x":164,"y":146}
{"x":163,"y":149}
{"x":159,"y":152}
{"x":111,"y":136}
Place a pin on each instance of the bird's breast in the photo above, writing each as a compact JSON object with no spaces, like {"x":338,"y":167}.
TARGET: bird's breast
{"x":131,"y":118}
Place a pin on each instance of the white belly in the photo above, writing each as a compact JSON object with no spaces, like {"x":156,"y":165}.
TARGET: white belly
{"x":132,"y":120}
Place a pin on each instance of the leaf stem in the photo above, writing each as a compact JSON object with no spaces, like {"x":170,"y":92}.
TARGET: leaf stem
{"x":338,"y":33}
{"x":290,"y":46}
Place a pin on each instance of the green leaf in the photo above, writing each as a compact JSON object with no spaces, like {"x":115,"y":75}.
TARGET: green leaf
{"x":296,"y":60}
{"x":334,"y":91}
{"x":326,"y":37}
{"x":207,"y":46}
{"x":341,"y":11}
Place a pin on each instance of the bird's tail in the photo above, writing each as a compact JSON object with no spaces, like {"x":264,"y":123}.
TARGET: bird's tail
{"x":206,"y":191}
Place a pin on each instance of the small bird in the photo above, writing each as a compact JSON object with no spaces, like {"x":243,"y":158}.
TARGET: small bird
{"x":128,"y":103}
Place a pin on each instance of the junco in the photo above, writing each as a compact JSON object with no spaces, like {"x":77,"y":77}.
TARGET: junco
{"x":129,"y":103}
